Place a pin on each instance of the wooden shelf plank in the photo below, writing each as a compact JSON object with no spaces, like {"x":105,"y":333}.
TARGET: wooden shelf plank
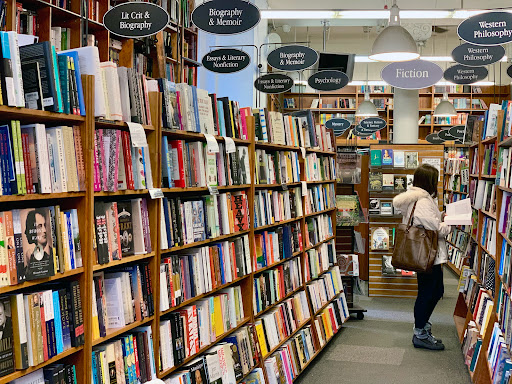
{"x":263,"y":311}
{"x":42,"y":196}
{"x":128,"y":192}
{"x":27,"y":115}
{"x":281,"y":343}
{"x":277,"y":224}
{"x":277,"y":263}
{"x":33,"y":283}
{"x":205,"y":189}
{"x":320,"y":243}
{"x":320,"y":212}
{"x":124,"y":260}
{"x":187,"y":135}
{"x":204,"y":242}
{"x":111,"y":333}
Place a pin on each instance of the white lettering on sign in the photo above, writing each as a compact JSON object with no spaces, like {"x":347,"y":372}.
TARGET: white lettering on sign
{"x":495,"y":24}
{"x":135,"y":25}
{"x":327,"y":80}
{"x":218,"y":17}
{"x":411,"y":74}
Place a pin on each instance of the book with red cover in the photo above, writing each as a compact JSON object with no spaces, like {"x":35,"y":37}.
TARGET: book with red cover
{"x":177,"y":149}
{"x":240,"y":211}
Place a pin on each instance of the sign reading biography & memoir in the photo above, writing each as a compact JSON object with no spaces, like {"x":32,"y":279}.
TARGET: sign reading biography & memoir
{"x":226,"y":17}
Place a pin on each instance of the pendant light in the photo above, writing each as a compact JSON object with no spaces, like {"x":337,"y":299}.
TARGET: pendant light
{"x":367,"y":108}
{"x":394,"y":43}
{"x":445,"y":108}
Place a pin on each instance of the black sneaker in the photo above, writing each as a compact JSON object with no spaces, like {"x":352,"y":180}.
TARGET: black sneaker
{"x":428,"y":328}
{"x":427,"y":343}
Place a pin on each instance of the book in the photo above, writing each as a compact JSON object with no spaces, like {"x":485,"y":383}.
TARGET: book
{"x":376,"y":158}
{"x":379,"y":239}
{"x":411,"y":160}
{"x":399,"y":159}
{"x":375,"y":181}
{"x":387,"y":157}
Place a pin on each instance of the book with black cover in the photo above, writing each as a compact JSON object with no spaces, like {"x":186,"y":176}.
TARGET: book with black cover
{"x":6,"y":338}
{"x":32,"y":85}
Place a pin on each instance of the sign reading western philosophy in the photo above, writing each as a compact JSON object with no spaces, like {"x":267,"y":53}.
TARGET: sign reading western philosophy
{"x":476,"y":55}
{"x":273,"y":83}
{"x":434,"y":138}
{"x":226,"y":60}
{"x":458,"y":131}
{"x":373,"y":124}
{"x":136,"y":19}
{"x":460,"y":74}
{"x":292,"y":58}
{"x":338,"y":125}
{"x":414,"y":74}
{"x":328,"y":80}
{"x":226,"y":17}
{"x":445,"y":135}
{"x":490,"y":28}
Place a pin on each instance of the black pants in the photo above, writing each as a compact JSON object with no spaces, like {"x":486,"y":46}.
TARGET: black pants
{"x":430,"y":290}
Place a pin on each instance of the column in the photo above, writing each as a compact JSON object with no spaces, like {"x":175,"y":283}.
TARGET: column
{"x":405,"y":116}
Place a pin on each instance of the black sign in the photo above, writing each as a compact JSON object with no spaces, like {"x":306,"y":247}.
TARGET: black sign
{"x":476,"y":55}
{"x":292,"y":58}
{"x":328,"y":80}
{"x":339,"y":126}
{"x":226,"y":60}
{"x":490,"y":28}
{"x":373,"y":124}
{"x":457,"y":131}
{"x":226,"y":17}
{"x":360,"y":132}
{"x":460,"y":74}
{"x":136,"y":19}
{"x":509,"y":71}
{"x":273,"y":83}
{"x":445,"y":135}
{"x":434,"y":138}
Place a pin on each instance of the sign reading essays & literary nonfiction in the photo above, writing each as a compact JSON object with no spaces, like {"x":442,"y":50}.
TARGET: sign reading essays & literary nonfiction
{"x":414,"y":74}
{"x":328,"y":80}
{"x":338,"y":125}
{"x":135,"y":19}
{"x":458,"y":131}
{"x":460,"y":74}
{"x":434,"y":138}
{"x":273,"y":83}
{"x":373,"y":124}
{"x":226,"y":60}
{"x":490,"y":28}
{"x":475,"y":55}
{"x":226,"y":17}
{"x":292,"y":58}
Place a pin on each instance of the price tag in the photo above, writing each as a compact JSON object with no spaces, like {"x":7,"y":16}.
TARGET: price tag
{"x":211,"y":143}
{"x":304,"y":188}
{"x":213,"y":190}
{"x":303,"y":151}
{"x":137,"y":135}
{"x":284,"y":186}
{"x":230,"y":145}
{"x":156,"y":193}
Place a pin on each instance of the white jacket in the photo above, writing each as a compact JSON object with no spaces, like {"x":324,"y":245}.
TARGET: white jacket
{"x":426,"y":214}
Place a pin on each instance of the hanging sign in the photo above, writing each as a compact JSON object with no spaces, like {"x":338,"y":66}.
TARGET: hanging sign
{"x":292,"y":58}
{"x":273,"y":83}
{"x":328,"y":80}
{"x":490,"y":28}
{"x":226,"y":17}
{"x":135,"y":19}
{"x":226,"y":60}
{"x":359,"y":132}
{"x":460,"y":74}
{"x":509,"y":71}
{"x":414,"y":74}
{"x":458,"y":131}
{"x":475,"y":55}
{"x":373,"y":124}
{"x":445,"y":135}
{"x":339,"y":126}
{"x":434,"y":138}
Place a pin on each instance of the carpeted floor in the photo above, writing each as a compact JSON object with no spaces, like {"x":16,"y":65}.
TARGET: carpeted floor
{"x":378,"y":349}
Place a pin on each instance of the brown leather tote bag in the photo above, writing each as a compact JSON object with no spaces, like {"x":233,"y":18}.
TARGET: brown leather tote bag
{"x":415,"y":248}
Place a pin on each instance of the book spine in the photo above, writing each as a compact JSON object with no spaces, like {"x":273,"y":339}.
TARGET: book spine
{"x":79,"y":153}
{"x":11,"y":248}
{"x":28,"y":164}
{"x":145,"y":227}
{"x":97,"y":162}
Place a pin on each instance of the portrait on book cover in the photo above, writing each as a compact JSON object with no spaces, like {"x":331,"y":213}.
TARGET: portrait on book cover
{"x":5,"y":319}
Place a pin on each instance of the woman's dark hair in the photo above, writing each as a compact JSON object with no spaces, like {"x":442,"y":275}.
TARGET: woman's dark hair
{"x":426,"y":177}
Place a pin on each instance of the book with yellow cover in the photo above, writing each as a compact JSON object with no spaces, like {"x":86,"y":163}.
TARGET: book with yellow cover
{"x":261,"y":337}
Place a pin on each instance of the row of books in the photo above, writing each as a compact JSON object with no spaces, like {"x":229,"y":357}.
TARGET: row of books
{"x":471,"y":345}
{"x":376,"y":89}
{"x":475,"y":163}
{"x":452,"y":197}
{"x":498,"y":357}
{"x":318,"y":229}
{"x":276,"y":245}
{"x":455,"y":160}
{"x":454,"y":183}
{"x":184,"y":332}
{"x":503,"y":167}
{"x":456,"y":256}
{"x":323,"y":289}
{"x":503,"y":313}
{"x":208,"y":217}
{"x":393,"y":158}
{"x":505,"y":218}
{"x":479,"y":302}
{"x":121,"y":229}
{"x":320,"y":198}
{"x":488,"y":237}
{"x":505,"y":263}
{"x":60,"y":37}
{"x":26,"y":21}
{"x":319,"y":168}
{"x":460,"y":119}
{"x":489,"y":161}
{"x":459,"y":238}
{"x":381,"y":182}
{"x":463,"y":103}
{"x":35,"y":159}
{"x":492,"y":118}
{"x":200,"y":270}
{"x":506,"y":131}
{"x":325,"y":117}
{"x":51,"y":374}
{"x":273,"y":206}
{"x":330,"y":319}
{"x":121,"y":297}
{"x":40,"y":325}
{"x":318,"y":260}
{"x":127,"y":359}
{"x":278,"y":167}
{"x":487,"y":272}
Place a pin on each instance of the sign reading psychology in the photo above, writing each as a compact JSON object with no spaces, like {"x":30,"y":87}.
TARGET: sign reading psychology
{"x":372,"y":124}
{"x":273,"y":83}
{"x":414,"y":74}
{"x":460,"y":74}
{"x":434,"y":138}
{"x":292,"y":58}
{"x":226,"y":17}
{"x":490,"y":28}
{"x":338,"y":125}
{"x":445,"y":135}
{"x":226,"y":60}
{"x":475,"y":55}
{"x":135,"y":19}
{"x":458,"y":131}
{"x":328,"y":80}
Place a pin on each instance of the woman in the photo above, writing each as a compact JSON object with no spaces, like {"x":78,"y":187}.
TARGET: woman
{"x":430,"y":285}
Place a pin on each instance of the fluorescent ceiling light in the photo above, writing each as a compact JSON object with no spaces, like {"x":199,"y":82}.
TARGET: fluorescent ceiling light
{"x":382,"y":82}
{"x":366,"y":59}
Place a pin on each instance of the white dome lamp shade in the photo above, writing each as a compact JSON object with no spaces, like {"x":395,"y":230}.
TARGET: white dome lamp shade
{"x":445,"y":108}
{"x":367,"y":108}
{"x":394,"y":43}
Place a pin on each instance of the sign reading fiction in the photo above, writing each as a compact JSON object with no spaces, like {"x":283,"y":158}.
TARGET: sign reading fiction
{"x":445,"y":135}
{"x":490,"y":28}
{"x":328,"y":80}
{"x":475,"y":55}
{"x":226,"y":17}
{"x":414,"y":74}
{"x":458,"y":131}
{"x":434,"y":138}
{"x":292,"y":58}
{"x":273,"y":83}
{"x":226,"y":60}
{"x":372,"y":124}
{"x":338,"y":125}
{"x":460,"y":74}
{"x":135,"y":19}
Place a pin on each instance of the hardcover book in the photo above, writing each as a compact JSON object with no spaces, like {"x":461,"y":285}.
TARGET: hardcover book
{"x":387,"y":182}
{"x":400,"y":182}
{"x":376,"y":158}
{"x":411,"y":160}
{"x":375,"y":181}
{"x":398,"y":159}
{"x":380,"y":239}
{"x":387,"y":157}
{"x":6,"y":338}
{"x":386,"y":208}
{"x":374,"y":208}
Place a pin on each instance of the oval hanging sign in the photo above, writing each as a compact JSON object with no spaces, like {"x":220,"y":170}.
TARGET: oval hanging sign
{"x":475,"y":55}
{"x":434,"y":138}
{"x":509,"y":71}
{"x":458,"y":131}
{"x":328,"y":80}
{"x":445,"y":135}
{"x":338,"y":125}
{"x":490,"y":28}
{"x":226,"y":60}
{"x":358,"y":131}
{"x":226,"y":17}
{"x":273,"y":83}
{"x":373,"y":124}
{"x":136,"y":19}
{"x":292,"y":58}
{"x":414,"y":74}
{"x":460,"y":74}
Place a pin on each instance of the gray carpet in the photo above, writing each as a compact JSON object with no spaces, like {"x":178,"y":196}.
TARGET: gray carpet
{"x":379,"y":350}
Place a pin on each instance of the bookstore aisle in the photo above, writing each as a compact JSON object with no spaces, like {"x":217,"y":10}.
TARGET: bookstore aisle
{"x":379,"y":349}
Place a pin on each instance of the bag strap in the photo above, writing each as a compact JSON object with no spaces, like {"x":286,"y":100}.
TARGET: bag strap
{"x":409,"y":223}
